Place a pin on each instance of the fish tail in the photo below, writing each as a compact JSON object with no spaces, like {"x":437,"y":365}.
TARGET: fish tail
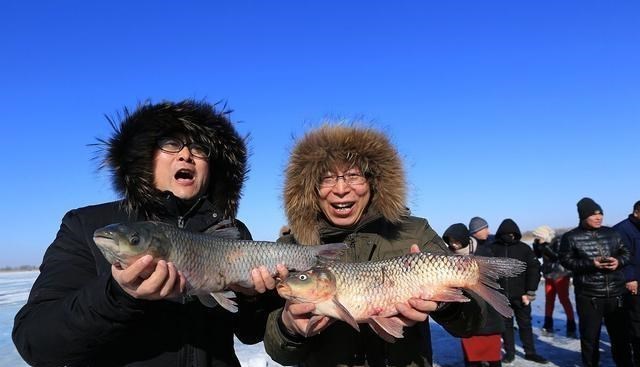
{"x":492,"y":268}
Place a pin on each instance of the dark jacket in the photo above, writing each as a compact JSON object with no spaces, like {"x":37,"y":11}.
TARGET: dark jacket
{"x":340,"y":345}
{"x":629,"y":230}
{"x":511,"y":246}
{"x":97,"y":324}
{"x":580,"y":246}
{"x":78,"y":315}
{"x":551,"y":267}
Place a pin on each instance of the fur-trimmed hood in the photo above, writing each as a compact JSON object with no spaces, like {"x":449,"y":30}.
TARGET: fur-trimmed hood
{"x":319,"y":151}
{"x":129,"y":153}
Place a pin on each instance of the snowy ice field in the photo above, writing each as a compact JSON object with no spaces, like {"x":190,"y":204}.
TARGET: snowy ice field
{"x":561,"y":351}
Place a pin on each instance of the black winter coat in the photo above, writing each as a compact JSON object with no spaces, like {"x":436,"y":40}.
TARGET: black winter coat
{"x":551,"y":267}
{"x":494,"y":322}
{"x":527,"y":281}
{"x":580,"y":246}
{"x":79,"y":316}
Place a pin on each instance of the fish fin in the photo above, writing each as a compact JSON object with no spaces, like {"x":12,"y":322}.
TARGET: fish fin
{"x":225,"y":229}
{"x":344,"y":314}
{"x":330,"y":251}
{"x":225,"y":299}
{"x":492,"y":268}
{"x":206,"y":300}
{"x":447,"y":295}
{"x":493,"y":297}
{"x":388,"y":328}
{"x":312,"y":322}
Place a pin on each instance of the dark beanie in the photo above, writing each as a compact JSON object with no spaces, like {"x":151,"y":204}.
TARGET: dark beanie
{"x":477,"y":224}
{"x":587,"y":207}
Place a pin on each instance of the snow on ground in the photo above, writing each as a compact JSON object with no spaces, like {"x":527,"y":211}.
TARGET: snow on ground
{"x":561,"y":351}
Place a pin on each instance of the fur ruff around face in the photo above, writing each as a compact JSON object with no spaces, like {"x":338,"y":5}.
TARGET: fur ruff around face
{"x":129,"y":153}
{"x":322,"y":150}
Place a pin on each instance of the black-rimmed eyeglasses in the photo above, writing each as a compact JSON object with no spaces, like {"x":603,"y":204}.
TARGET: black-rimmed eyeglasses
{"x":175,"y":145}
{"x":349,"y":178}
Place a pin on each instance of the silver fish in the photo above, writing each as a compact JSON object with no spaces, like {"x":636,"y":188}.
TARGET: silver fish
{"x":209,"y":262}
{"x":367,"y":292}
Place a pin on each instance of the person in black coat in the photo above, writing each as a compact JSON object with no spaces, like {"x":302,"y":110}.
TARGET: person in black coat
{"x":483,"y":348}
{"x":180,"y":163}
{"x":520,"y":290}
{"x":596,"y":255}
{"x":629,"y":230}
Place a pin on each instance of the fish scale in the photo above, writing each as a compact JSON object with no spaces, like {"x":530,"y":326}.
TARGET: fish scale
{"x":210,"y":262}
{"x":367,"y":292}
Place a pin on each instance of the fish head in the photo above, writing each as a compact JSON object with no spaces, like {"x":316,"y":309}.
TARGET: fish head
{"x":315,"y":285}
{"x":123,"y":244}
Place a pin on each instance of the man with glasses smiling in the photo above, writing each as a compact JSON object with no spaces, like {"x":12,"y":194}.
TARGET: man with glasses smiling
{"x":347,"y":184}
{"x":181,"y":163}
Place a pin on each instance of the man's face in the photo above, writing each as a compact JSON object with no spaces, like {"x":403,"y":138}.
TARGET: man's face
{"x":636,"y":214}
{"x":343,"y":204}
{"x":181,"y":173}
{"x":594,"y":221}
{"x":482,"y":234}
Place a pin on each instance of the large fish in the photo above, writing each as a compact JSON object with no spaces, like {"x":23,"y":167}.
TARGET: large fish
{"x":366,"y":292}
{"x":209,"y":262}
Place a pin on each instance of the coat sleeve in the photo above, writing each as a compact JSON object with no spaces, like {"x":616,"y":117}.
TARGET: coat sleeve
{"x":282,"y":347}
{"x":630,"y":273}
{"x":570,"y":259}
{"x":532,"y":272}
{"x":71,"y":312}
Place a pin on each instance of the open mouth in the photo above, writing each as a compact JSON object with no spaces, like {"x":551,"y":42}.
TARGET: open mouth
{"x":184,"y":175}
{"x":343,"y":207}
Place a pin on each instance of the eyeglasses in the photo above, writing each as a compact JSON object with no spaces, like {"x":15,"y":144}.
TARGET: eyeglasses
{"x":349,"y":178}
{"x":175,"y":145}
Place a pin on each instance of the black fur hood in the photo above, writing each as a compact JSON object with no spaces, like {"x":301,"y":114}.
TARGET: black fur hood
{"x":129,"y":153}
{"x":319,"y":151}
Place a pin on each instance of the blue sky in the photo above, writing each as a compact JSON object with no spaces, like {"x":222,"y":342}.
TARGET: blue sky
{"x":499,"y":108}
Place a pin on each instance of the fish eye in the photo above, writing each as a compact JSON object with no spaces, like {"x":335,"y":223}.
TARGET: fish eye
{"x":302,"y":277}
{"x":135,"y":239}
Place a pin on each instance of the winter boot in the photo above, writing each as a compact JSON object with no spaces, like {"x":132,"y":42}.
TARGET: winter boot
{"x":547,"y":327}
{"x":571,"y":329}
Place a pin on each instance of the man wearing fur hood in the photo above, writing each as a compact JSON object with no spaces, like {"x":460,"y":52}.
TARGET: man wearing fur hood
{"x":347,"y":184}
{"x":180,"y":163}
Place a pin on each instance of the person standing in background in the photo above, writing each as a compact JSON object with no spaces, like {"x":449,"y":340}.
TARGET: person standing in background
{"x":479,"y":230}
{"x":483,"y":348}
{"x":556,"y":279}
{"x":629,"y":229}
{"x":520,"y":290}
{"x":596,"y":254}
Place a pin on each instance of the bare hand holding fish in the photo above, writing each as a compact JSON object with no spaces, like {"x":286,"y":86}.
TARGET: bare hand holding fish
{"x":203,"y":264}
{"x":370,"y":292}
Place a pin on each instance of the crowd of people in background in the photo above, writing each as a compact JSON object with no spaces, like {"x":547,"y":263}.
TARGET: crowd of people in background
{"x":183,"y":163}
{"x":604,"y":263}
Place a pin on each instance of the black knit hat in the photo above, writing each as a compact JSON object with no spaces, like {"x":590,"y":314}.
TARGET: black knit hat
{"x":587,"y":207}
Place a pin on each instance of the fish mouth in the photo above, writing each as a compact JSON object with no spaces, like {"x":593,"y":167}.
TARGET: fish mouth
{"x":108,"y":247}
{"x":284,"y":290}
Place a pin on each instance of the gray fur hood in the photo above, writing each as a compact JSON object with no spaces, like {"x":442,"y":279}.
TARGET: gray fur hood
{"x":319,"y":151}
{"x":129,"y":153}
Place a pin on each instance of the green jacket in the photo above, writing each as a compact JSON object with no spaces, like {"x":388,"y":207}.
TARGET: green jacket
{"x":341,"y":345}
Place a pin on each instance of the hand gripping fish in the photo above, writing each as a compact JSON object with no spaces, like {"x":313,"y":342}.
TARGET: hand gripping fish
{"x":367,"y":292}
{"x":210,"y":262}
